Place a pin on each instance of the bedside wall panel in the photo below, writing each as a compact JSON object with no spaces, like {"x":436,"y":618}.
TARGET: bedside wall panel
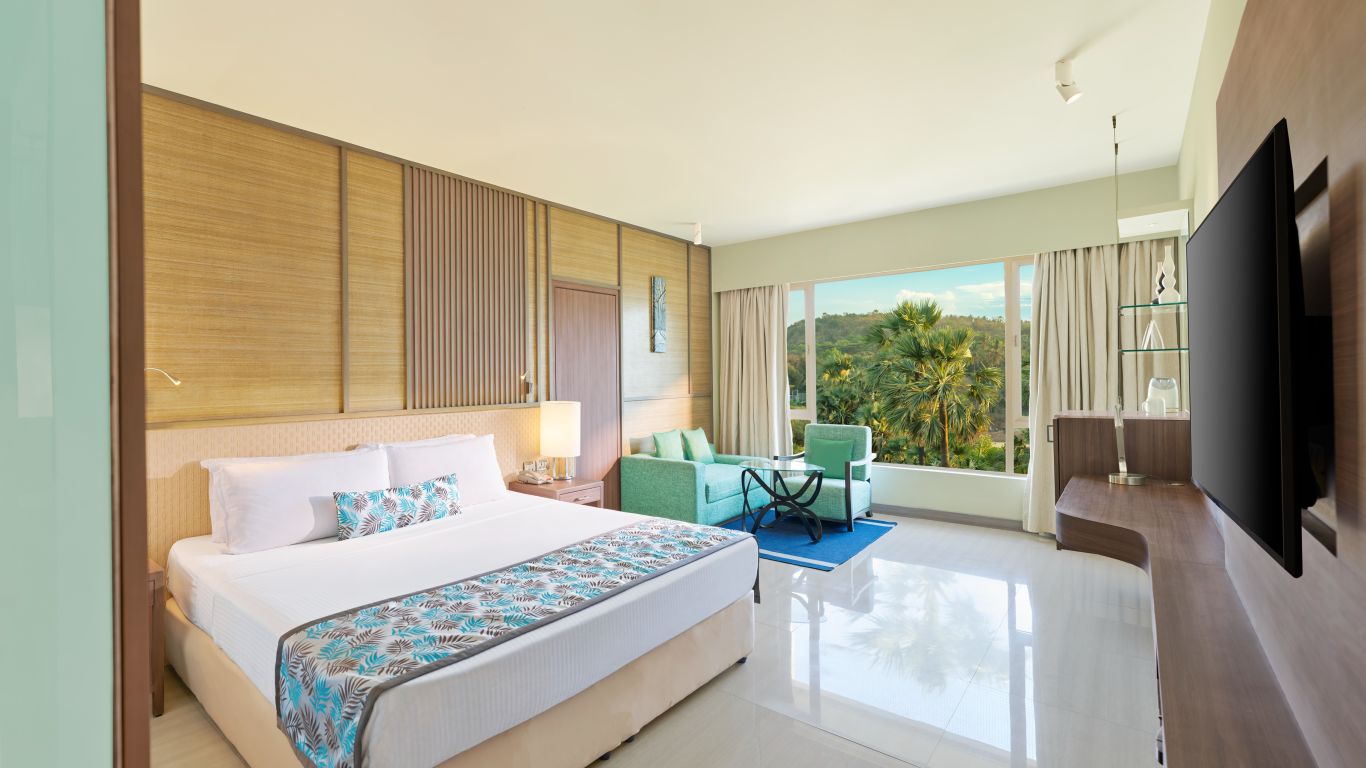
{"x":376,"y":377}
{"x":467,"y":276}
{"x":243,"y":268}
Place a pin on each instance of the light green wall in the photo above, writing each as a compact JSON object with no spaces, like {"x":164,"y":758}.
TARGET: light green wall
{"x":1198,"y":166}
{"x":56,"y":634}
{"x":1069,"y":216}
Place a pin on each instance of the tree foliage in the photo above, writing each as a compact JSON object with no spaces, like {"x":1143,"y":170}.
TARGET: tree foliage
{"x":929,"y":386}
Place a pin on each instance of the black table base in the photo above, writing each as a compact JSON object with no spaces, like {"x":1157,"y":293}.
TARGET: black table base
{"x":784,"y":502}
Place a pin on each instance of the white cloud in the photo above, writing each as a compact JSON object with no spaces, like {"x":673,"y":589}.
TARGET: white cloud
{"x":987,"y":293}
{"x":947,"y":300}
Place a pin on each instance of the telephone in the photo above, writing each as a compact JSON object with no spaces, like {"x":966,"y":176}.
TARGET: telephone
{"x":533,"y":477}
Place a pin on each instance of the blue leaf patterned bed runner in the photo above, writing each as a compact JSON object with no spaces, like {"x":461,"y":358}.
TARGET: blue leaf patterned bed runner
{"x":329,"y":672}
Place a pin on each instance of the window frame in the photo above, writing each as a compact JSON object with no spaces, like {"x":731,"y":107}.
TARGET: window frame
{"x":808,"y":291}
{"x":1014,"y":386}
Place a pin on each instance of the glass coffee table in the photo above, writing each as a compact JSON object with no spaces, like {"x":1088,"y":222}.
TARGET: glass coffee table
{"x":785,"y":502}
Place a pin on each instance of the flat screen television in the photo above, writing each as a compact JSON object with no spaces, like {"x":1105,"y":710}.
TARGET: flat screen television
{"x":1253,"y":368}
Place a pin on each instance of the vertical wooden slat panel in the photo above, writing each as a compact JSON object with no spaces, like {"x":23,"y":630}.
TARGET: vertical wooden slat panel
{"x":471,"y":325}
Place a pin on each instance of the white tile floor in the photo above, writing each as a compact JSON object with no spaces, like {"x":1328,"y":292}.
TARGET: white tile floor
{"x":941,"y":646}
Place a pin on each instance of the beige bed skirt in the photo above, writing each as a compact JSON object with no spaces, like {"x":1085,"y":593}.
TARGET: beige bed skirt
{"x":571,"y":734}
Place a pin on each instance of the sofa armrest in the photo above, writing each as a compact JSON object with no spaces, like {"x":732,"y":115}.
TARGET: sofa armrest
{"x":866,"y":461}
{"x":670,"y":488}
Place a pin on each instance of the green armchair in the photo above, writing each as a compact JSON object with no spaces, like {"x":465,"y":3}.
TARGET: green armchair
{"x":692,"y":491}
{"x":847,"y":488}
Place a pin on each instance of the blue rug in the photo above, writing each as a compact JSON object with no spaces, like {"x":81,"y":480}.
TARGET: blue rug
{"x":787,"y":541}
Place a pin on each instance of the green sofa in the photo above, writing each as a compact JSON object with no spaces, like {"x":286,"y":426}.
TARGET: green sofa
{"x":686,"y":490}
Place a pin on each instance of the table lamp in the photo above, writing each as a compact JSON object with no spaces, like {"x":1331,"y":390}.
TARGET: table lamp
{"x":560,"y":436}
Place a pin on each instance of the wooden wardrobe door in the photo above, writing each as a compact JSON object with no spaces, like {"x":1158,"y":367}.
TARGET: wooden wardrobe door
{"x":587,"y":368}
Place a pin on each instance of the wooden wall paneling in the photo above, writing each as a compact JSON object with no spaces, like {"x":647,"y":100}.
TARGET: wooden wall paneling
{"x":375,"y":308}
{"x":544,"y":338}
{"x":587,"y":369}
{"x":699,"y":319}
{"x":642,"y":418}
{"x":584,"y":247}
{"x":468,"y":273}
{"x":533,"y":301}
{"x":653,"y":374}
{"x":1301,"y":60}
{"x":243,"y":275}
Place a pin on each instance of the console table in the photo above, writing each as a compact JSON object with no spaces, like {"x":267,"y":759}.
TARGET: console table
{"x":1220,"y":703}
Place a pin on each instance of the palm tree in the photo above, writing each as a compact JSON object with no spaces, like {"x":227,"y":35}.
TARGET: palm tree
{"x":933,"y":391}
{"x":906,"y":317}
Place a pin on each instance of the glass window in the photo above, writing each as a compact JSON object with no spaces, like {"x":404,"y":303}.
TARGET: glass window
{"x":921,"y":359}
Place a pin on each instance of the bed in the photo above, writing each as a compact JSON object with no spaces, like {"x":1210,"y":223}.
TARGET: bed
{"x":560,"y":695}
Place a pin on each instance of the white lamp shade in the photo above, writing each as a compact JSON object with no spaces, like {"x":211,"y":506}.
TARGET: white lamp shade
{"x":560,"y":428}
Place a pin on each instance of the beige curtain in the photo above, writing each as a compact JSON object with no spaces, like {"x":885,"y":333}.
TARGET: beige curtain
{"x":751,"y":379}
{"x":1074,"y":347}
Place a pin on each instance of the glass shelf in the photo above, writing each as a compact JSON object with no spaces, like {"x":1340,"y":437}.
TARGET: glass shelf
{"x":1159,"y":349}
{"x":1180,"y":305}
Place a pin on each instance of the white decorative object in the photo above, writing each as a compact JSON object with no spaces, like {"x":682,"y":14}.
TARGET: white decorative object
{"x":1165,"y":389}
{"x":1155,"y":406}
{"x":1152,"y":337}
{"x":1164,"y":283}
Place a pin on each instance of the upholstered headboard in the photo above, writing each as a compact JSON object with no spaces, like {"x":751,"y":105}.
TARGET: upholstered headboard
{"x":178,"y":488}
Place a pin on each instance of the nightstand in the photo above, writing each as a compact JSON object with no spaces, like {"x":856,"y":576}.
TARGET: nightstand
{"x":586,"y":492}
{"x":156,"y":602}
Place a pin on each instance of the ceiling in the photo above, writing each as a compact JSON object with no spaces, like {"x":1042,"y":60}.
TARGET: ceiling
{"x":754,"y":117}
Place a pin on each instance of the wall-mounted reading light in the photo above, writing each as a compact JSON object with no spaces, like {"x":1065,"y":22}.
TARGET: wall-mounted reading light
{"x":1066,"y":85}
{"x":174,"y":381}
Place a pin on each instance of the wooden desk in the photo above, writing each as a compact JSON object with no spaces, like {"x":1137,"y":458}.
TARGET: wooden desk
{"x":1220,"y":702}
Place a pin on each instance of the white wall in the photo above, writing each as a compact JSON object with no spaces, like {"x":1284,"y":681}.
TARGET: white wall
{"x":1198,"y":165}
{"x":1050,"y":219}
{"x":963,"y":491}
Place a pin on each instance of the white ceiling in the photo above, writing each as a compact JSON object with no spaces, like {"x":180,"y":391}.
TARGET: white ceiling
{"x":755,"y":117}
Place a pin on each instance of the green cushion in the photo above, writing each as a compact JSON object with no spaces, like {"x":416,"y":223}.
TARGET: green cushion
{"x":669,"y":445}
{"x":696,"y":446}
{"x":722,"y":481}
{"x":830,"y":504}
{"x":831,"y":454}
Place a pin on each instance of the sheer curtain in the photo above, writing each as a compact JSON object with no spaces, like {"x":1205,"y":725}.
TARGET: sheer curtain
{"x":752,"y":372}
{"x":1074,"y":346}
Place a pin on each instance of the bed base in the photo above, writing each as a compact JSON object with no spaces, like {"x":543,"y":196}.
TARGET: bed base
{"x":572,"y":734}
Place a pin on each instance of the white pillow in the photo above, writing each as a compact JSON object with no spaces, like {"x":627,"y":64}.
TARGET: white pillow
{"x":473,"y":462}
{"x":217,"y":524}
{"x":270,"y":504}
{"x":429,"y":441}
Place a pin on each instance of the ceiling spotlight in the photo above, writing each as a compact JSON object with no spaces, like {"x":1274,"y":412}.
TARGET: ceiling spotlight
{"x":697,"y":233}
{"x":1067,"y":87}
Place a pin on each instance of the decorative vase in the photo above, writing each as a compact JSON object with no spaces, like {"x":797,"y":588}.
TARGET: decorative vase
{"x":1164,"y":283}
{"x":1165,"y":389}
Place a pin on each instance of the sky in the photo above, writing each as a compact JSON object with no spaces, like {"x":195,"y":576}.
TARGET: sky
{"x":973,"y":290}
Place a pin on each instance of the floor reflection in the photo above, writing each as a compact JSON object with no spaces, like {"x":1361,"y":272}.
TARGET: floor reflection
{"x":945,"y":645}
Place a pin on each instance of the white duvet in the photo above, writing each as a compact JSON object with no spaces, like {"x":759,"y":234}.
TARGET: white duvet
{"x":246,"y":602}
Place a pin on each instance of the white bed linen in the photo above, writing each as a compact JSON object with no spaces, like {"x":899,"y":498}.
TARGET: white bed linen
{"x":246,"y":602}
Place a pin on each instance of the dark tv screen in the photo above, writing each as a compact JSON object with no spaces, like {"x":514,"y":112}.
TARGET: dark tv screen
{"x":1245,"y":310}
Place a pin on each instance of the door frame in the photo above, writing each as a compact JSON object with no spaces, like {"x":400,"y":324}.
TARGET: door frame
{"x":132,"y":633}
{"x":551,"y":393}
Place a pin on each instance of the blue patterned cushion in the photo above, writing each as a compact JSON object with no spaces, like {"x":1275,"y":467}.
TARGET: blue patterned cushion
{"x":361,"y":513}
